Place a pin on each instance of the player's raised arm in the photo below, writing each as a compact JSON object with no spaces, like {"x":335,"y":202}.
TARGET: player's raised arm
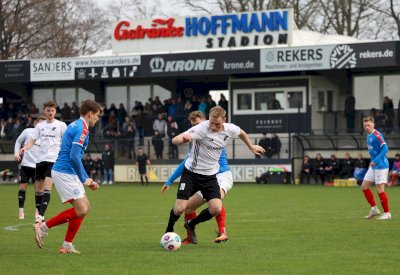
{"x":256,"y":149}
{"x":182,"y":138}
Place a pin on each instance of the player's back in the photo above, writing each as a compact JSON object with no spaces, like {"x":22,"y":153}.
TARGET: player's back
{"x":77,"y":133}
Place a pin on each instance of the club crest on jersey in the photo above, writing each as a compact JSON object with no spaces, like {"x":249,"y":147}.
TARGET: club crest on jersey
{"x":225,"y":137}
{"x":53,"y":128}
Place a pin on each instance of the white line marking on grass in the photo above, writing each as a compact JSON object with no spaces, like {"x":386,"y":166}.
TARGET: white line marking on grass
{"x":16,"y":227}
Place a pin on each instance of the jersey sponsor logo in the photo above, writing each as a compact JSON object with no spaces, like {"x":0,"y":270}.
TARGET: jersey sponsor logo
{"x":51,"y":136}
{"x":214,"y":148}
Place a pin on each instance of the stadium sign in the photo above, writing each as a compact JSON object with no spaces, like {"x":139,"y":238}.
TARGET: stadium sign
{"x":160,"y":173}
{"x":58,"y":69}
{"x":14,"y":71}
{"x":342,"y":56}
{"x":219,"y":62}
{"x":242,"y":30}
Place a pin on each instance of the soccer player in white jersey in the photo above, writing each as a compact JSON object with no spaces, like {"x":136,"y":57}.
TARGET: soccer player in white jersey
{"x":28,"y":168}
{"x":70,"y":176}
{"x":377,"y":171}
{"x":225,"y":182}
{"x":49,"y":133}
{"x":209,"y":138}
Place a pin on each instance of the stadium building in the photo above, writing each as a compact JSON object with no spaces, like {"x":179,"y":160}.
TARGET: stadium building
{"x":254,"y":58}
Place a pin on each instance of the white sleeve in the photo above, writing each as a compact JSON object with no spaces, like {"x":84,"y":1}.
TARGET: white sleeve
{"x":198,"y":131}
{"x":20,"y":140}
{"x":233,"y":129}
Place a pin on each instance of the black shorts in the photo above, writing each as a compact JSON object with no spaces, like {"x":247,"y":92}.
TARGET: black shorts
{"x":43,"y":170}
{"x":142,"y":169}
{"x":192,"y":182}
{"x":26,"y":173}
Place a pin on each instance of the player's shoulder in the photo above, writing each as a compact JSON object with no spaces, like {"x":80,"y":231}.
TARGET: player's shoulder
{"x":230,"y":127}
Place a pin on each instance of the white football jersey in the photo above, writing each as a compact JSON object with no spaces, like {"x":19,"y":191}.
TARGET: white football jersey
{"x":49,"y":136}
{"x":207,"y":146}
{"x":30,"y":156}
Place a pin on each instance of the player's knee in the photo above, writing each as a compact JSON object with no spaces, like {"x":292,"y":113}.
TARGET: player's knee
{"x":215,"y":209}
{"x":179,"y":209}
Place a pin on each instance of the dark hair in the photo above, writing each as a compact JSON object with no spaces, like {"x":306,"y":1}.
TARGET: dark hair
{"x":90,"y":106}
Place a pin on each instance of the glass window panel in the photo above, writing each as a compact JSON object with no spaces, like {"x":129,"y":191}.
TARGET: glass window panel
{"x":65,"y":95}
{"x":116,"y":95}
{"x":321,"y":99}
{"x":41,"y":96}
{"x":162,"y":93}
{"x":84,"y":95}
{"x":273,"y":100}
{"x":244,"y":102}
{"x":139,"y":93}
{"x":295,"y":100}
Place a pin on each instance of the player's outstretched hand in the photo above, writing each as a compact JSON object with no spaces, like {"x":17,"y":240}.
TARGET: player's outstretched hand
{"x":94,"y":185}
{"x":17,"y":158}
{"x":91,"y":184}
{"x":258,"y":150}
{"x":164,"y":188}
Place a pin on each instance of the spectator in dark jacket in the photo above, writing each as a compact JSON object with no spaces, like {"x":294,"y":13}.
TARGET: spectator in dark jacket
{"x":347,"y":167}
{"x":108,"y":164}
{"x":98,"y":166}
{"x":332,"y":168}
{"x":306,"y":170}
{"x":8,"y":128}
{"x":88,"y":164}
{"x":319,"y":169}
{"x":158,"y":144}
{"x":172,"y":131}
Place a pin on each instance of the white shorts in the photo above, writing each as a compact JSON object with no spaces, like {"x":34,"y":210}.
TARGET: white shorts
{"x":378,"y":176}
{"x":68,"y":186}
{"x":225,"y":182}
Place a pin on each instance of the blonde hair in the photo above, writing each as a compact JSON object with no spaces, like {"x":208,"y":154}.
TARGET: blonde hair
{"x":368,"y":119}
{"x":196,"y":114}
{"x":217,"y":111}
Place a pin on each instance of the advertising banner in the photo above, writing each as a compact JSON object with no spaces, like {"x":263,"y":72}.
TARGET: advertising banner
{"x":160,"y":173}
{"x":226,"y":31}
{"x":245,"y":61}
{"x":273,"y":123}
{"x":325,"y":57}
{"x":106,"y":67}
{"x":14,"y":71}
{"x":58,"y":69}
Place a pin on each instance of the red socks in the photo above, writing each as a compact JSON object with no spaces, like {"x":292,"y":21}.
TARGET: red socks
{"x":370,"y":197}
{"x":190,"y":216}
{"x":384,"y":201}
{"x":221,"y":220}
{"x":393,"y":179}
{"x":73,"y":228}
{"x":70,"y":216}
{"x":62,"y":217}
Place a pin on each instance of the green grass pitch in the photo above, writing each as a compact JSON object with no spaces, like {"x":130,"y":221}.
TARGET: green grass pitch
{"x":273,"y":229}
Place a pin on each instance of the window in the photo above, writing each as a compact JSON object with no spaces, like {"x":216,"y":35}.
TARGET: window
{"x":244,"y":102}
{"x":287,"y":100}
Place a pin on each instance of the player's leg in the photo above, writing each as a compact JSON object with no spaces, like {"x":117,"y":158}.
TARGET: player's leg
{"x":194,"y":202}
{"x":211,"y":192}
{"x":175,"y":213}
{"x":381,"y":176}
{"x":225,"y":182}
{"x":393,"y":176}
{"x":369,"y":178}
{"x":48,"y":184}
{"x":21,"y":199}
{"x":70,"y":190}
{"x":186,"y":187}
